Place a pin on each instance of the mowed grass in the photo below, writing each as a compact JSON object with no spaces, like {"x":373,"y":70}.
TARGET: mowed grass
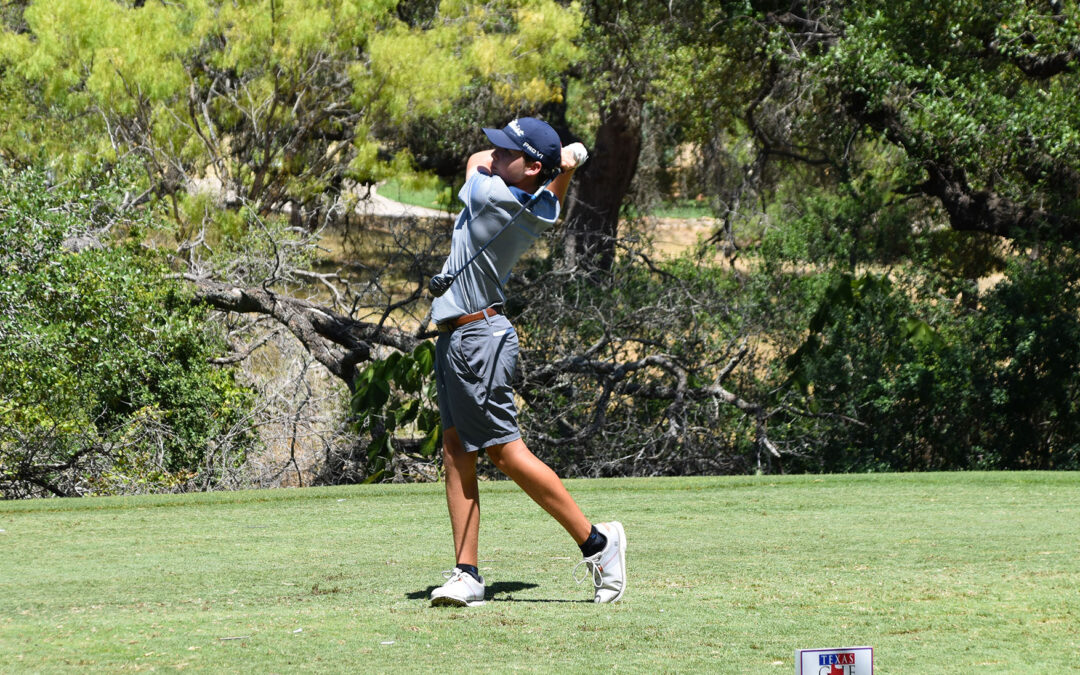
{"x":941,"y":573}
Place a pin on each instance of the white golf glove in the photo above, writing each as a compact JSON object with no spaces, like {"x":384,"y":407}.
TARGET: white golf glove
{"x":578,"y":152}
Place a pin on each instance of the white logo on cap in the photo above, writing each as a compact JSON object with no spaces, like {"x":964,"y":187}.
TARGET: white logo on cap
{"x":525,"y":144}
{"x":529,"y":146}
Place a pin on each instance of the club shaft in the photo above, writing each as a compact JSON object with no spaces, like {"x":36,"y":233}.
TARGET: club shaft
{"x":513,"y":218}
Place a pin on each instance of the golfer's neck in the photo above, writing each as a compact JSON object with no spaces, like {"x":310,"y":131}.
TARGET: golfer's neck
{"x":528,"y":184}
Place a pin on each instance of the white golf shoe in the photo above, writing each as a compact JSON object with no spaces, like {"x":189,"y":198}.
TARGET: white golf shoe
{"x":608,"y":567}
{"x":460,"y":590}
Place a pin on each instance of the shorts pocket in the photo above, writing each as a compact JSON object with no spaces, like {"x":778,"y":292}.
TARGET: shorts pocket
{"x":468,"y":352}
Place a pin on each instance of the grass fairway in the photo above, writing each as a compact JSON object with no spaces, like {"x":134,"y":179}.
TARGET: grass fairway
{"x":940,"y":573}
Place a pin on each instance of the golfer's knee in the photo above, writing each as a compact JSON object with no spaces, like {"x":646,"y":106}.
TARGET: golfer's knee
{"x":452,"y":445}
{"x":497,"y":456}
{"x":454,"y":452}
{"x":507,"y":456}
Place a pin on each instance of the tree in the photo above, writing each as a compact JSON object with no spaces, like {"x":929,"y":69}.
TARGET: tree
{"x":106,"y":380}
{"x":273,"y":103}
{"x":627,"y":47}
{"x":284,"y":112}
{"x":974,"y":103}
{"x":905,"y":151}
{"x":859,"y":149}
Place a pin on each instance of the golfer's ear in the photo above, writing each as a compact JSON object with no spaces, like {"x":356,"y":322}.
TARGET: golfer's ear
{"x":533,"y":168}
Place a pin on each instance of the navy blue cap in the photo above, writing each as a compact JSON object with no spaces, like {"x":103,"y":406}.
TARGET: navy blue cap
{"x":531,"y":136}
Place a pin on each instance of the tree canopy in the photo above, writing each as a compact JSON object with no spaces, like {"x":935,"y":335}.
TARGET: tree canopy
{"x":272,"y":102}
{"x":968,"y":106}
{"x":891,"y":282}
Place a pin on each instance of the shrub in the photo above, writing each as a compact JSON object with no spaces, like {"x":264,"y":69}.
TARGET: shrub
{"x":106,"y":384}
{"x":906,"y":379}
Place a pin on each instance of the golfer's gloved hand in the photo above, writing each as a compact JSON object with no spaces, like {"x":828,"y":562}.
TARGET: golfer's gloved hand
{"x":573,"y":156}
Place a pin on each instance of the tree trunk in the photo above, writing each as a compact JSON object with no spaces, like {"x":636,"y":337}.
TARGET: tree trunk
{"x":592,"y":221}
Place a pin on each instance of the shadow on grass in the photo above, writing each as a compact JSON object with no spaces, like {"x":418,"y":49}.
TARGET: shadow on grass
{"x":499,"y":591}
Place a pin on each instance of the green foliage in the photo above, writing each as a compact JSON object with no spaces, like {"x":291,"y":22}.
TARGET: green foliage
{"x":819,"y":131}
{"x":396,"y":396}
{"x":958,"y":84}
{"x":905,"y":379}
{"x":871,"y":357}
{"x":1028,"y":366}
{"x":880,"y":130}
{"x":106,"y":385}
{"x":277,"y":101}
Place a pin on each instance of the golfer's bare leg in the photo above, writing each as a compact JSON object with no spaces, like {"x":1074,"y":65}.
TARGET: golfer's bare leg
{"x":542,"y":484}
{"x":462,"y":497}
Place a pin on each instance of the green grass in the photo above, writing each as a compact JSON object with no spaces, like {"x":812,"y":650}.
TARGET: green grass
{"x":683,"y":209}
{"x":433,"y":196}
{"x":942,"y":573}
{"x":436,"y":196}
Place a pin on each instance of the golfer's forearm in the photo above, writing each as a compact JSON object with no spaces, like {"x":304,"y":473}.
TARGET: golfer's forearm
{"x":477,"y":160}
{"x":561,"y":184}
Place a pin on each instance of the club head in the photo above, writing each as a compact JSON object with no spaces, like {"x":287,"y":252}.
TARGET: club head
{"x":439,"y":284}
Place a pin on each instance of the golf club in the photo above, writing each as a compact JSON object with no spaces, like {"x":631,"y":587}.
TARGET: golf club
{"x":441,"y":283}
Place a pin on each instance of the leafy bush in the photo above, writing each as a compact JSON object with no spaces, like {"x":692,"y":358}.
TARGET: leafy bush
{"x":906,"y":379}
{"x":1027,"y":367}
{"x":106,"y":384}
{"x":394,"y":405}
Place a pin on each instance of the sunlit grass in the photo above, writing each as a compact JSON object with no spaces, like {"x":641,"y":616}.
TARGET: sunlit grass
{"x":440,"y":194}
{"x":949,"y":573}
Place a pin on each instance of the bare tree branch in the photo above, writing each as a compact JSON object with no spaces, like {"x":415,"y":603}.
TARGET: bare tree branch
{"x":337,"y":342}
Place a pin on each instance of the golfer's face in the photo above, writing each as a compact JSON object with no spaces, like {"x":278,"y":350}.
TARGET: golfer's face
{"x":510,"y":165}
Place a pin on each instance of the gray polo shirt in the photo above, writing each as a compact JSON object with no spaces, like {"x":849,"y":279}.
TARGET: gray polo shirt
{"x":489,"y":204}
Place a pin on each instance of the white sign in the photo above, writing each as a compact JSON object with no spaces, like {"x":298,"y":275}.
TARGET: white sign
{"x":835,"y":661}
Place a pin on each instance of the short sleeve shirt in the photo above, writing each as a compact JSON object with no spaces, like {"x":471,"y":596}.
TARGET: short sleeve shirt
{"x":489,"y":205}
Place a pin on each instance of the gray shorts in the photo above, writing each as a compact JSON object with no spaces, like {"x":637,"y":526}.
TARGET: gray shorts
{"x":474,"y":365}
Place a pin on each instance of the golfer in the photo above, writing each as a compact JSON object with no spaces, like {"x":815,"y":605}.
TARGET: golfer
{"x":476,"y":353}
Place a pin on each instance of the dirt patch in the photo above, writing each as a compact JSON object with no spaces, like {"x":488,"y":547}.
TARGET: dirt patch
{"x":673,"y":236}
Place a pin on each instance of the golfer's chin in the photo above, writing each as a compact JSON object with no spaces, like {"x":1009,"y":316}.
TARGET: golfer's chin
{"x":507,"y":177}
